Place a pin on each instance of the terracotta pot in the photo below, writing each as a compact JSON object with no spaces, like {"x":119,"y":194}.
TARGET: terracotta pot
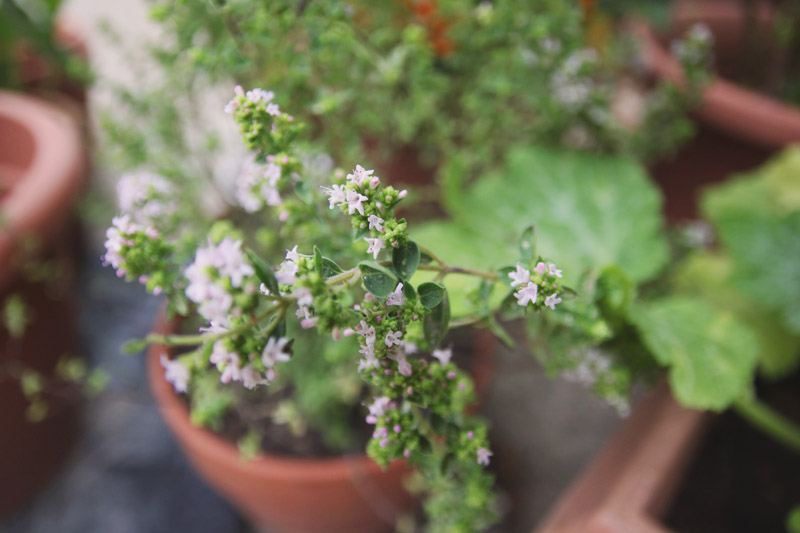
{"x":630,"y":484}
{"x":738,"y":128}
{"x":344,"y":494}
{"x":41,"y":173}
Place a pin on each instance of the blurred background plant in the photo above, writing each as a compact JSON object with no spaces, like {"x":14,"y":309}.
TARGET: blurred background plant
{"x":442,"y":86}
{"x":33,"y":50}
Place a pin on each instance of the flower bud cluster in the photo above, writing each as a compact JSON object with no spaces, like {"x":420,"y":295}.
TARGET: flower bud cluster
{"x":261,"y":122}
{"x":249,"y":359}
{"x":537,"y":287}
{"x":138,"y":252}
{"x":148,"y":198}
{"x":695,"y":53}
{"x":382,"y":327}
{"x":222,"y":282}
{"x":261,"y":180}
{"x":370,"y":207}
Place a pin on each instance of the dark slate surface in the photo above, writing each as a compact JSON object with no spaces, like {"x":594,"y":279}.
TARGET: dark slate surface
{"x":127,"y":474}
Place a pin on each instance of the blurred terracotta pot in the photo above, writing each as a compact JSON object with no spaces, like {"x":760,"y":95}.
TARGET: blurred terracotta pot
{"x":738,"y":128}
{"x":629,"y":486}
{"x":41,"y":173}
{"x":345,"y":494}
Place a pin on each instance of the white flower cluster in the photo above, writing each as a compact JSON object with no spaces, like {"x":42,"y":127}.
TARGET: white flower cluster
{"x":528,"y":291}
{"x":592,"y":366}
{"x":694,"y":46}
{"x":212,"y":267}
{"x":146,"y":197}
{"x":257,"y":183}
{"x":176,"y":373}
{"x":118,"y":237}
{"x":257,"y":96}
{"x":570,"y":85}
{"x":229,"y":363}
{"x":353,"y":194}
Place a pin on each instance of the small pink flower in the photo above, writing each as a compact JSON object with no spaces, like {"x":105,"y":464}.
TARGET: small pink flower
{"x":527,"y":294}
{"x":396,"y":297}
{"x":483,"y":456}
{"x":552,"y":300}
{"x":375,"y":246}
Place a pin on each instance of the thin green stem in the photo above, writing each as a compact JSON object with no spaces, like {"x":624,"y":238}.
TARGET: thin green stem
{"x":192,"y":340}
{"x":449,"y":269}
{"x":425,"y":426}
{"x":429,"y":252}
{"x":465,"y":321}
{"x":769,"y":421}
{"x":343,"y":277}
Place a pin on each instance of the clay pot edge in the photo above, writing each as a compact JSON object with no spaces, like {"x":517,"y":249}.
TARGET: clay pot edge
{"x":297,"y":469}
{"x":42,"y":198}
{"x":749,"y":114}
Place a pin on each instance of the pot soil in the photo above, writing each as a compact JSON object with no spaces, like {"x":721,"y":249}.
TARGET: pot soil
{"x":41,"y":173}
{"x":349,"y":493}
{"x":296,"y":493}
{"x":741,"y":480}
{"x":738,"y":128}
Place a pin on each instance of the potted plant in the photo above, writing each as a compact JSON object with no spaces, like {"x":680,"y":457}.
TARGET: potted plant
{"x":748,"y":110}
{"x":639,"y":480}
{"x":43,"y":168}
{"x":390,"y":309}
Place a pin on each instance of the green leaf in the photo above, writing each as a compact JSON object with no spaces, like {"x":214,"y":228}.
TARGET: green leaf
{"x":710,"y":276}
{"x":263,"y":272}
{"x":135,"y":346}
{"x":772,"y":190}
{"x":527,"y":244}
{"x":330,"y":268}
{"x":431,"y":294}
{"x":589,"y":210}
{"x":379,"y":281}
{"x":436,"y":322}
{"x":15,"y":315}
{"x":711,"y":356}
{"x":615,"y":293}
{"x":503,"y":272}
{"x":317,"y":260}
{"x":447,"y":238}
{"x":408,"y":291}
{"x":360,"y":232}
{"x":499,"y":331}
{"x":405,"y":259}
{"x":302,"y":191}
{"x":31,"y":383}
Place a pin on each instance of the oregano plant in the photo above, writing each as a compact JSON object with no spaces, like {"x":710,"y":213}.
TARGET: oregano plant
{"x":369,"y":286}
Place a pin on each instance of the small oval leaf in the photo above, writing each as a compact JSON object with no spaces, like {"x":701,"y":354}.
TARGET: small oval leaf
{"x":405,"y":259}
{"x":330,"y":268}
{"x":408,"y":291}
{"x":379,"y":281}
{"x":527,"y":244}
{"x":263,"y":272}
{"x":431,"y":294}
{"x":436,"y":322}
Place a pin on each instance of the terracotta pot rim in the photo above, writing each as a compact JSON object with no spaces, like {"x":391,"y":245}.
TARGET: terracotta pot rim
{"x":750,"y":114}
{"x":176,"y":414}
{"x":38,"y":202}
